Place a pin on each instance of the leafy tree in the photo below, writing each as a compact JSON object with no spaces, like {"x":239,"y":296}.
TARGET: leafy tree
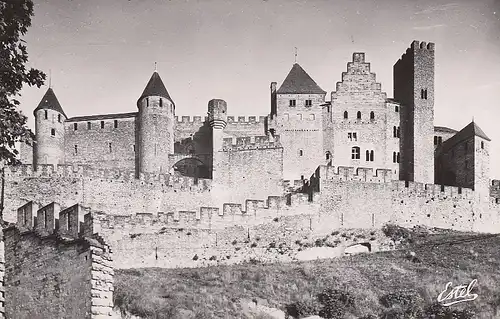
{"x":15,"y":18}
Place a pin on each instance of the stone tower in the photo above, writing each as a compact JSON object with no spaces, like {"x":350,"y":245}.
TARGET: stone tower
{"x":155,"y":127}
{"x":49,"y":130}
{"x":414,"y":89}
{"x":217,"y":117}
{"x":298,"y":112}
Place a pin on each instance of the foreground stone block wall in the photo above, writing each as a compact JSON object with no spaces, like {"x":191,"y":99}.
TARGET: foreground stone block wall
{"x":55,"y":267}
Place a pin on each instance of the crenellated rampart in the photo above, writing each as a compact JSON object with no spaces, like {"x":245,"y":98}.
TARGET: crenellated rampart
{"x":251,"y":143}
{"x":53,"y":257}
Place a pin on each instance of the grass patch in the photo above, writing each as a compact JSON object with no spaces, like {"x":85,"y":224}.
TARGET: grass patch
{"x":363,"y":286}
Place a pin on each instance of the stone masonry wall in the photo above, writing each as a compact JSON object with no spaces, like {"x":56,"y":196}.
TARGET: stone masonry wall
{"x":55,"y":273}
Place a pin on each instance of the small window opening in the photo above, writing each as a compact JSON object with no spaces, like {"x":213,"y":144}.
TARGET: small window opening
{"x":372,"y":115}
{"x":147,"y":101}
{"x":102,"y":124}
{"x":161,"y":102}
{"x":301,"y":152}
{"x":396,"y":108}
{"x":293,"y":102}
{"x":328,"y":155}
{"x":110,"y":147}
{"x":358,"y":115}
{"x":394,"y":157}
{"x":367,"y":155}
{"x":371,"y":156}
{"x":53,"y":132}
{"x":482,"y":145}
{"x":89,"y":125}
{"x":308,"y":103}
{"x":59,"y":118}
{"x":76,"y":149}
{"x":46,"y":114}
{"x":346,"y":114}
{"x":116,"y":124}
{"x":398,"y":158}
{"x":75,"y":126}
{"x":355,"y":152}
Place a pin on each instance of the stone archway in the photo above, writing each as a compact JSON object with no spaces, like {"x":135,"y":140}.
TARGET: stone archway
{"x":191,"y":166}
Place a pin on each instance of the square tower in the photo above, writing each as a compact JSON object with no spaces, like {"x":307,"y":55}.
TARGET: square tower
{"x":414,"y":89}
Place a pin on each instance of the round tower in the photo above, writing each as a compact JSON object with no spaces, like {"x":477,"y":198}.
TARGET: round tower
{"x":156,"y":119}
{"x":217,"y":117}
{"x":49,"y":131}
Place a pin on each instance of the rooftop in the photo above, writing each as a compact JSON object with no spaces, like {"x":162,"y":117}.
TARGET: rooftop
{"x":155,"y":87}
{"x":50,"y":102}
{"x":299,"y":82}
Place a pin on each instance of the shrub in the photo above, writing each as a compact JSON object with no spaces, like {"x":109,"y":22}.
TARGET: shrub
{"x":318,"y":242}
{"x":302,"y":308}
{"x":335,"y":303}
{"x":437,"y":311}
{"x":403,"y":299}
{"x":397,"y":233}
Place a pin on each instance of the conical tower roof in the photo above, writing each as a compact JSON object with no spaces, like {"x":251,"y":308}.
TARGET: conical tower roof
{"x":50,"y":102}
{"x":155,"y":87}
{"x":299,"y":82}
{"x":474,"y":130}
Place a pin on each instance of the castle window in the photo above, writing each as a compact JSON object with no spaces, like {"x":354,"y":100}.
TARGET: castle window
{"x":76,"y":149}
{"x":59,"y":118}
{"x":147,"y":101}
{"x":89,"y":125}
{"x":435,"y":140}
{"x":396,"y":108}
{"x":293,"y":102}
{"x":53,"y":132}
{"x":301,"y":153}
{"x":346,"y":115}
{"x":161,"y":102}
{"x":46,"y":114}
{"x":328,"y":155}
{"x":371,"y":156}
{"x":355,"y":136}
{"x":394,"y":157}
{"x":75,"y":126}
{"x":116,"y":123}
{"x":398,"y":157}
{"x":423,"y":94}
{"x":110,"y":148}
{"x":395,"y":131}
{"x":440,"y":140}
{"x":102,"y":124}
{"x":372,"y":115}
{"x":355,"y":153}
{"x":133,"y":147}
{"x":482,"y":145}
{"x":358,"y":115}
{"x":367,"y":155}
{"x":309,"y":103}
{"x":398,"y":135}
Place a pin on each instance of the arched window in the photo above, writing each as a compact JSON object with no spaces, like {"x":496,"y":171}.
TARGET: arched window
{"x":358,"y":115}
{"x":52,"y":132}
{"x":355,"y":153}
{"x":372,"y":115}
{"x":328,"y":155}
{"x":346,"y":115}
{"x":367,"y":155}
{"x":371,"y":156}
{"x":301,"y":152}
{"x":396,"y":108}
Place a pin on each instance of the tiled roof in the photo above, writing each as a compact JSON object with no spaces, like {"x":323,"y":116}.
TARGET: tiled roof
{"x":155,"y":87}
{"x":444,"y":129}
{"x":101,"y":117}
{"x":299,"y":82}
{"x":467,"y":132}
{"x":50,"y":102}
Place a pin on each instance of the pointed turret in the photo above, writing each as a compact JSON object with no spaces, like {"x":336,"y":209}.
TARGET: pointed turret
{"x":299,"y":82}
{"x":156,"y":127}
{"x":155,"y":87}
{"x":49,"y":130}
{"x":50,"y":102}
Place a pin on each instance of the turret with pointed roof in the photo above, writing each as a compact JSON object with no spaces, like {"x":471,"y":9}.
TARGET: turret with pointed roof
{"x":299,"y":82}
{"x":156,"y":120}
{"x":50,"y":102}
{"x":155,"y":87}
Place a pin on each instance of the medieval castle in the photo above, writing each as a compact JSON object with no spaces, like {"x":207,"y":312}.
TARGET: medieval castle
{"x":158,"y":190}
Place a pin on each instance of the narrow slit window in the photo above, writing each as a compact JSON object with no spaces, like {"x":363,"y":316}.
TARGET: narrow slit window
{"x":53,"y":132}
{"x":59,"y":118}
{"x":398,"y":158}
{"x":110,"y":147}
{"x":301,"y":153}
{"x":372,"y":115}
{"x":76,"y":149}
{"x":116,"y":124}
{"x":346,"y":114}
{"x":308,"y":103}
{"x":367,"y":155}
{"x":75,"y":126}
{"x":358,"y":115}
{"x":161,"y":102}
{"x":372,"y":156}
{"x":46,"y":114}
{"x":102,"y":124}
{"x":394,"y":157}
{"x":89,"y":125}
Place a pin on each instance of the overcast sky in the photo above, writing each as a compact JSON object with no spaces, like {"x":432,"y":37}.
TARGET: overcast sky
{"x":101,"y":53}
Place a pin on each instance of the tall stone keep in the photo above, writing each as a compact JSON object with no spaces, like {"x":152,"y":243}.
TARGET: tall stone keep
{"x":217,"y":118}
{"x":49,"y":130}
{"x":414,"y":89}
{"x":155,"y":127}
{"x":298,"y":110}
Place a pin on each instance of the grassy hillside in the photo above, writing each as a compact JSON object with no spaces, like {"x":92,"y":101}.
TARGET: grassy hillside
{"x":385,"y":285}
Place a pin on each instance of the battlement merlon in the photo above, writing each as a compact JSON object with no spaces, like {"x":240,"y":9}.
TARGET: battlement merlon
{"x":344,"y":173}
{"x":246,"y":119}
{"x":252,"y":142}
{"x":417,"y":45}
{"x":74,"y":222}
{"x":191,"y":119}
